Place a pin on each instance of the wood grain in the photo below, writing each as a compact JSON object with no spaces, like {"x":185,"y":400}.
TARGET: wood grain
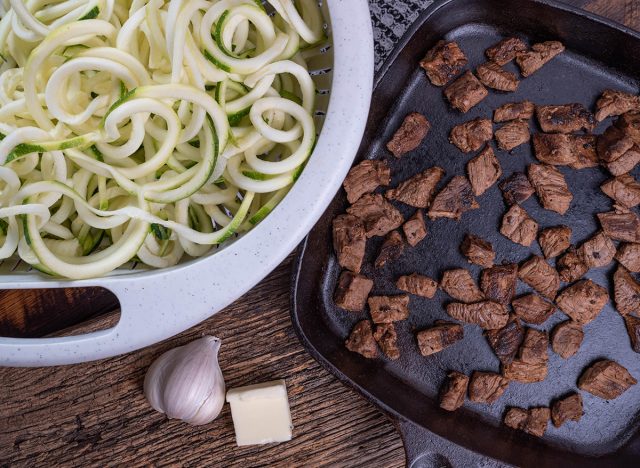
{"x":94,"y":414}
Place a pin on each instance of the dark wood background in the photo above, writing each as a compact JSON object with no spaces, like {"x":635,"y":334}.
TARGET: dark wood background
{"x":95,"y":413}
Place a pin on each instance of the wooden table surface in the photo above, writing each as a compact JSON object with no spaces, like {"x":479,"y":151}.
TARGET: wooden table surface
{"x":95,"y":414}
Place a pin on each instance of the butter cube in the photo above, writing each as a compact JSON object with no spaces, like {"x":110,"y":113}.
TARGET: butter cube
{"x":261,"y":413}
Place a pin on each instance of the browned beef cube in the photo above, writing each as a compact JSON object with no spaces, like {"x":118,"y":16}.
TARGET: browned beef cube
{"x":494,"y":76}
{"x":506,"y":341}
{"x":506,"y":50}
{"x":625,"y":163}
{"x":566,"y":118}
{"x":352,"y":291}
{"x":535,"y":346}
{"x":414,"y":229}
{"x":453,"y":200}
{"x":597,"y":251}
{"x":484,"y":170}
{"x":571,"y":267}
{"x":478,"y":251}
{"x":624,"y":190}
{"x":531,"y":364}
{"x":551,"y":187}
{"x":418,"y":284}
{"x":471,"y":135}
{"x":629,"y":256}
{"x":459,"y":284}
{"x":453,"y":391}
{"x":566,"y":338}
{"x":629,"y":123}
{"x":533,"y":421}
{"x":388,"y":309}
{"x":633,"y":329}
{"x":584,"y":149}
{"x":556,"y":149}
{"x":361,"y":340}
{"x":541,"y":53}
{"x":409,"y":135}
{"x":365,"y":178}
{"x":525,"y":372}
{"x":391,"y":249}
{"x":554,"y":240}
{"x":444,"y":61}
{"x":566,"y":409}
{"x":613,"y":103}
{"x":438,"y":337}
{"x":626,"y":292}
{"x":606,"y":379}
{"x":516,"y":188}
{"x":378,"y":215}
{"x":518,"y":226}
{"x":532,"y":308}
{"x":583,"y":301}
{"x":613,"y":144}
{"x":486,"y":387}
{"x":387,"y":338}
{"x":513,"y":134}
{"x":514,"y":111}
{"x":487,"y":314}
{"x":622,"y":225}
{"x":349,"y":241}
{"x":465,"y":92}
{"x":499,"y":283}
{"x":418,"y":190}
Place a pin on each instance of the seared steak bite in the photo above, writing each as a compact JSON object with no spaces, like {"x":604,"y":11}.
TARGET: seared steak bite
{"x":518,"y":226}
{"x":626,"y":292}
{"x":632,"y":324}
{"x":554,"y":240}
{"x":349,"y":241}
{"x":571,"y":267}
{"x":629,"y":123}
{"x":621,"y":224}
{"x":470,"y":136}
{"x":442,"y":335}
{"x":465,"y":92}
{"x":597,"y":251}
{"x":487,"y":314}
{"x":361,"y":340}
{"x":566,"y":338}
{"x":444,"y":61}
{"x":486,"y":387}
{"x":459,"y":284}
{"x":414,"y":229}
{"x":612,"y":103}
{"x":388,"y":309}
{"x":513,"y":134}
{"x":506,"y":341}
{"x":567,"y":118}
{"x":506,"y":50}
{"x":532,"y":308}
{"x":494,"y":76}
{"x":453,"y":391}
{"x":418,"y":190}
{"x":352,"y":291}
{"x":629,"y":256}
{"x":391,"y":249}
{"x":624,"y":190}
{"x":624,"y":163}
{"x":478,"y":251}
{"x":556,"y":149}
{"x":499,"y":283}
{"x":566,"y":409}
{"x":533,"y":421}
{"x":418,"y":285}
{"x":365,"y":178}
{"x":531,"y":364}
{"x":584,"y":149}
{"x":534,"y":347}
{"x":583,"y":301}
{"x":516,"y":188}
{"x":606,"y":379}
{"x":541,"y":53}
{"x":378,"y":215}
{"x":551,"y":187}
{"x":409,"y":135}
{"x":612,"y":144}
{"x":525,"y":372}
{"x":514,"y":111}
{"x":484,"y":170}
{"x":387,"y":338}
{"x":453,"y":200}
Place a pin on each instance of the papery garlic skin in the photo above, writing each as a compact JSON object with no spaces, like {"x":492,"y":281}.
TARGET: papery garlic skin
{"x":186,"y":382}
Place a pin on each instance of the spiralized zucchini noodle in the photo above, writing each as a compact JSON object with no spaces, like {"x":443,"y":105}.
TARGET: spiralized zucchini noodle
{"x":148,"y":130}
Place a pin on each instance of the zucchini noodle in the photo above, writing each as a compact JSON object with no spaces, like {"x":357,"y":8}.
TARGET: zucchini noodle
{"x":148,"y":130}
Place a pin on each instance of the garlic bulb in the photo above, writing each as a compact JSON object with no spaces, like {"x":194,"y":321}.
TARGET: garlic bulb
{"x":186,"y":382}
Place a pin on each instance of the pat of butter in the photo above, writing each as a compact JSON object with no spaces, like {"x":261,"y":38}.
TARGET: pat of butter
{"x":261,"y":413}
